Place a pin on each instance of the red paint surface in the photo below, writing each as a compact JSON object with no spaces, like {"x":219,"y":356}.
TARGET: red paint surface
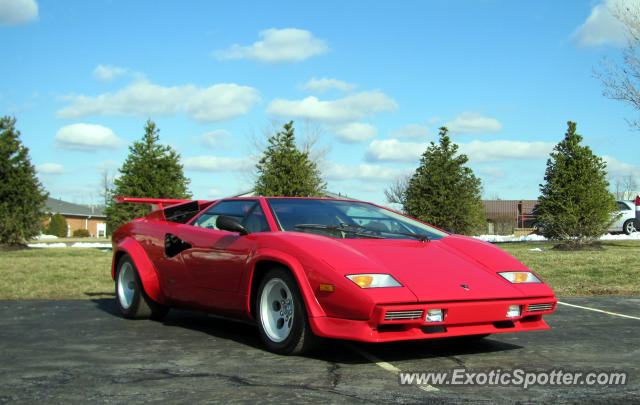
{"x":216,"y":275}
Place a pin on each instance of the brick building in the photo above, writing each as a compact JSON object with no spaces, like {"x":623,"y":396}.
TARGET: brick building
{"x":503,"y":216}
{"x":78,"y":216}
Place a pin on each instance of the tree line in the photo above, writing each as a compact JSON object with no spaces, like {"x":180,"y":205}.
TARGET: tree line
{"x":574,"y":204}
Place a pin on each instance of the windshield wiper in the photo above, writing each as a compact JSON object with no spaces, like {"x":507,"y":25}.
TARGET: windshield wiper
{"x":422,"y":238}
{"x":360,"y":230}
{"x":341,"y":228}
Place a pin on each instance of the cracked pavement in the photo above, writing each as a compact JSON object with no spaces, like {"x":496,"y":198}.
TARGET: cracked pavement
{"x":83,"y":351}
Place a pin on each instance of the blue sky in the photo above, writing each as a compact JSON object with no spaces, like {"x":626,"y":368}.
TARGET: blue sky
{"x":371,"y":81}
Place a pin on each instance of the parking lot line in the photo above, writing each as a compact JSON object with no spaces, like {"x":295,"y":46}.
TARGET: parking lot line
{"x":385,"y":365}
{"x":600,"y":310}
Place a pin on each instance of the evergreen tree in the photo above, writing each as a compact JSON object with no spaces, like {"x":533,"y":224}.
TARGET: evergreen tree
{"x":151,"y":170}
{"x":57,"y":226}
{"x":575,"y":204}
{"x":286,"y":171}
{"x":444,"y":192}
{"x":22,"y":197}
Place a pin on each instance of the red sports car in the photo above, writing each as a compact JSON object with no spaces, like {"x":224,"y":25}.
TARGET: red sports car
{"x":305,"y":268}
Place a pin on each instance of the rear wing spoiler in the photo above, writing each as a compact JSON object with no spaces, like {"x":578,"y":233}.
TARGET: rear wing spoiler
{"x":168,"y":209}
{"x":156,"y":203}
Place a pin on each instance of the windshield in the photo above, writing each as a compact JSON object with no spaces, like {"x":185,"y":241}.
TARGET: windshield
{"x":348,"y":219}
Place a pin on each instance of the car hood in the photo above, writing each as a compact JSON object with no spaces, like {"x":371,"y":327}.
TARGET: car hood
{"x":437,"y":270}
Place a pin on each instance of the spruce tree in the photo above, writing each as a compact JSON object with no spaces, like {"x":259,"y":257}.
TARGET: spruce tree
{"x":444,"y":192}
{"x":286,"y":171}
{"x":22,"y":197}
{"x":575,"y":204}
{"x":151,"y":170}
{"x":57,"y":226}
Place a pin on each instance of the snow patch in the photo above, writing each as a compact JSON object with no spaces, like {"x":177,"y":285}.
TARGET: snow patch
{"x":91,"y":245}
{"x":539,"y":238}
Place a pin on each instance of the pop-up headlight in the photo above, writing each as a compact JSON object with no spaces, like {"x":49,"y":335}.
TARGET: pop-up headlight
{"x":520,"y":277}
{"x":374,"y":280}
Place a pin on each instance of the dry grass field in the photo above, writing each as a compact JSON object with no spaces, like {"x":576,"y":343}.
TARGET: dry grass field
{"x":56,"y":273}
{"x":83,"y":273}
{"x":613,"y":270}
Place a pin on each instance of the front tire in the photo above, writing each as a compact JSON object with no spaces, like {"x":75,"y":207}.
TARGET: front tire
{"x":629,"y":227}
{"x":282,"y":316}
{"x":133,"y":301}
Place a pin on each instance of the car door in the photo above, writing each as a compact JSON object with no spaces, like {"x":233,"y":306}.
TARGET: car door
{"x":217,"y":259}
{"x":624,"y":212}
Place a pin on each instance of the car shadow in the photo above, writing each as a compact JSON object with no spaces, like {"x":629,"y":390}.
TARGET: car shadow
{"x":339,"y":351}
{"x":107,"y":305}
{"x":331,"y":350}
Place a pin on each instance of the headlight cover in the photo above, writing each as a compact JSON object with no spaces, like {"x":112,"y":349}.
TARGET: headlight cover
{"x":373,"y":280}
{"x":520,"y":277}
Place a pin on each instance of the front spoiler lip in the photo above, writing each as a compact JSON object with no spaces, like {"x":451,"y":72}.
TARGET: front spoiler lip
{"x":461,"y":318}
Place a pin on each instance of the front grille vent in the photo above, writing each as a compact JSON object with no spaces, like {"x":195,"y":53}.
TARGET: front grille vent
{"x":403,"y":315}
{"x":539,"y":307}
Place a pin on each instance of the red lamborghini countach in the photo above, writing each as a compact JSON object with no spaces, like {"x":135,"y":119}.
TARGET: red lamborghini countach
{"x":305,"y":268}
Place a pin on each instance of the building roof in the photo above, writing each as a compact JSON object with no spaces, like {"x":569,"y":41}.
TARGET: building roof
{"x":56,"y":206}
{"x":496,"y":208}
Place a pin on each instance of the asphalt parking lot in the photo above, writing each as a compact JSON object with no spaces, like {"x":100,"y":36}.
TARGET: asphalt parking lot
{"x":82,"y":351}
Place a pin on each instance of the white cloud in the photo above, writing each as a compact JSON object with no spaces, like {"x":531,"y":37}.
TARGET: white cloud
{"x":356,"y":132}
{"x":217,"y":164}
{"x":324,"y":84}
{"x":473,"y":122}
{"x":50,"y":168}
{"x":392,"y":150}
{"x":338,"y":171}
{"x":109,"y":72}
{"x":601,"y":27}
{"x":500,"y":151}
{"x":214,"y":193}
{"x":617,"y":168}
{"x":220,"y":102}
{"x":278,"y":46}
{"x":107,"y":165}
{"x":344,"y":110}
{"x":492,"y":172}
{"x":412,"y":131}
{"x":214,"y":139}
{"x":216,"y":103}
{"x":14,"y":12}
{"x":87,"y":137}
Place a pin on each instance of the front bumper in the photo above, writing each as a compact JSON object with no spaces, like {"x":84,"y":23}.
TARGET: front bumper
{"x":460,"y":318}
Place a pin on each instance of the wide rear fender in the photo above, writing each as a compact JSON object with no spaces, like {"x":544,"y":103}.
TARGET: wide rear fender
{"x":146,"y":270}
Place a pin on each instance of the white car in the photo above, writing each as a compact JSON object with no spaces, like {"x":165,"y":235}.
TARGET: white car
{"x":625,"y":223}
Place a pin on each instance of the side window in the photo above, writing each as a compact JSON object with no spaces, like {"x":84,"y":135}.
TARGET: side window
{"x":255,"y":221}
{"x":247,"y":212}
{"x":622,"y":207}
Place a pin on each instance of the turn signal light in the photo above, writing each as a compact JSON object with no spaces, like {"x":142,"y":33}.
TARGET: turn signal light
{"x":363,"y":281}
{"x":327,"y":287}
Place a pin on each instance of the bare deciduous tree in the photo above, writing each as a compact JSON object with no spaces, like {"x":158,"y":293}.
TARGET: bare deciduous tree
{"x":624,"y":187}
{"x":621,"y":79}
{"x":106,"y":184}
{"x":396,"y":192}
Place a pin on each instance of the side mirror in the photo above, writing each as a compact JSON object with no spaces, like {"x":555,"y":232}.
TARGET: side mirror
{"x":449,"y":229}
{"x":229,"y":224}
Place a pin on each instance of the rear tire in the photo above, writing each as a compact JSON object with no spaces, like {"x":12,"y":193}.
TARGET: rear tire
{"x":282,"y":316}
{"x":629,"y":226}
{"x":133,"y":301}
